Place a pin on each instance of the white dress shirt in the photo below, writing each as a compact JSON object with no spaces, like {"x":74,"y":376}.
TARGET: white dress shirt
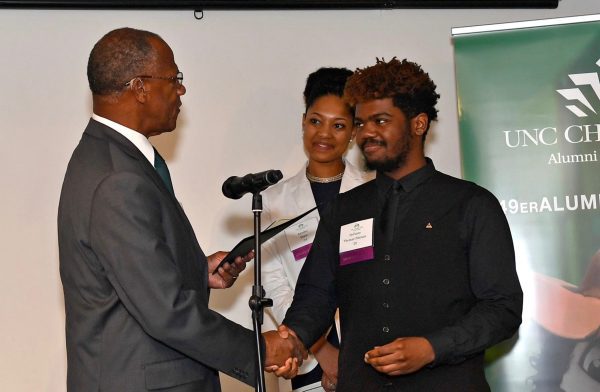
{"x":140,"y":141}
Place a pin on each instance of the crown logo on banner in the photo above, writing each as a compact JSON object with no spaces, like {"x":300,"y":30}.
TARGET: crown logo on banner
{"x":576,"y":94}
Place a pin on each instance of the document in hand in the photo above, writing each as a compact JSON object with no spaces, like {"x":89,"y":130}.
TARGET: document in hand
{"x":247,"y":244}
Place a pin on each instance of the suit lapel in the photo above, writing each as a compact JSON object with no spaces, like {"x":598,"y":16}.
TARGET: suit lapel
{"x":354,"y":177}
{"x":301,"y":193}
{"x":101,"y":131}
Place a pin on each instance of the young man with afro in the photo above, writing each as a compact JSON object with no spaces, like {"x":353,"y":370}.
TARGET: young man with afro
{"x":420,"y":264}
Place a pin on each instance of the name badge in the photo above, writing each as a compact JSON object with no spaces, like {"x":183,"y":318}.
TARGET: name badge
{"x":356,"y":242}
{"x":300,"y":236}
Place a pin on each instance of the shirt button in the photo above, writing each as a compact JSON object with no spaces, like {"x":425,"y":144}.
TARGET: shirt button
{"x":386,"y":305}
{"x":387,"y":257}
{"x":386,"y":329}
{"x":386,"y":281}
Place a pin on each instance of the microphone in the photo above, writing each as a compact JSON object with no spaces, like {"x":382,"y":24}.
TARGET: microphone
{"x":236,"y":187}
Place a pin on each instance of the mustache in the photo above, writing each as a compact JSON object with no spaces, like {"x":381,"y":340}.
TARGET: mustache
{"x":372,"y":141}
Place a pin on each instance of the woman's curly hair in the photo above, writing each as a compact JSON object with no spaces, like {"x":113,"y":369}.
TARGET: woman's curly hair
{"x":325,"y":81}
{"x":405,"y":82}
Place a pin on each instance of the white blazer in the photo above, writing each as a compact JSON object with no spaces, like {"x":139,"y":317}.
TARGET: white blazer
{"x":280,"y":269}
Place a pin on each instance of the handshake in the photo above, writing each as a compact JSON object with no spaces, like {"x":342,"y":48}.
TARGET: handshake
{"x":284,"y":352}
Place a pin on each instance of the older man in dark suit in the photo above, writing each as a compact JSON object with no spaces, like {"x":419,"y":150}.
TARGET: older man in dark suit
{"x":135,"y":280}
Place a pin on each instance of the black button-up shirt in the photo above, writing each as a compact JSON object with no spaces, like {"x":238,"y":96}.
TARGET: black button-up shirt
{"x":447,"y":274}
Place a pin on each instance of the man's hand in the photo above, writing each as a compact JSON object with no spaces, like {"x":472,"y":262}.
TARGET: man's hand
{"x":402,"y":356}
{"x":228,"y":273}
{"x":284,"y":352}
{"x":287,"y":371}
{"x":284,"y":331}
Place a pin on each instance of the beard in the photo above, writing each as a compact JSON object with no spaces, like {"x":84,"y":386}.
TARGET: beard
{"x":388,"y":164}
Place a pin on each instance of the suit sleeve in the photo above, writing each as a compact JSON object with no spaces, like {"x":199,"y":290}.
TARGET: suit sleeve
{"x":128,"y":236}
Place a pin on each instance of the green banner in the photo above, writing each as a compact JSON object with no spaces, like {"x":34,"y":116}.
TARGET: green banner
{"x":529,"y":118}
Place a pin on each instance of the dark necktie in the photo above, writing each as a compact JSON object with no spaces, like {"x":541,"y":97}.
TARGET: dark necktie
{"x":163,"y":171}
{"x":390,"y":211}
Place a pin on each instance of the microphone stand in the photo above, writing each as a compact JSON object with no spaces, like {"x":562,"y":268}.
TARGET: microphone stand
{"x":258,"y":301}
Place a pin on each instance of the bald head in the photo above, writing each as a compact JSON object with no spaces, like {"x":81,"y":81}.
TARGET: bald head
{"x":118,"y":57}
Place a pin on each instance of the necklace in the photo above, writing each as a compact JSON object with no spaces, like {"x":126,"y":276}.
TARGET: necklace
{"x":323,"y":180}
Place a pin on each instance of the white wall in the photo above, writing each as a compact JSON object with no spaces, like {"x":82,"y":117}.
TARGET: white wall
{"x":244,"y":73}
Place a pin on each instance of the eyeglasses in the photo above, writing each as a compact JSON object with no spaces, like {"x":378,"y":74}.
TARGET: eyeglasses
{"x":177,"y":78}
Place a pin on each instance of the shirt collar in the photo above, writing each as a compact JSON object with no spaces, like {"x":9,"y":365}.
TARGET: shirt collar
{"x":408,"y":182}
{"x":140,"y":141}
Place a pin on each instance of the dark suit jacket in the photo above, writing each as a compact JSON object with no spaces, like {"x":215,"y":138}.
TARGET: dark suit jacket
{"x":135,"y":280}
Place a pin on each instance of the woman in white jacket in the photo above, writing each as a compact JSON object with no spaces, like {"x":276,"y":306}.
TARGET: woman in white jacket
{"x":327,"y":126}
